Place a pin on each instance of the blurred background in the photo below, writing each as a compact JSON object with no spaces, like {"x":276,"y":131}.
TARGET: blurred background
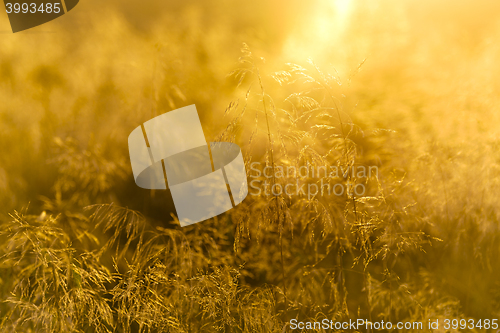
{"x":429,"y":70}
{"x":424,"y":71}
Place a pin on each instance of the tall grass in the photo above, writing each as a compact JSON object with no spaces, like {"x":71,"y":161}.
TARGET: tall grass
{"x":82,"y":249}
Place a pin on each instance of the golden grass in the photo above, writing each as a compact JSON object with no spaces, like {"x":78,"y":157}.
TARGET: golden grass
{"x":82,"y":249}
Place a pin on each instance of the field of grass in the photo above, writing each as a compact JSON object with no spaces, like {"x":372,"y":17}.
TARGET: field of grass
{"x":408,"y":87}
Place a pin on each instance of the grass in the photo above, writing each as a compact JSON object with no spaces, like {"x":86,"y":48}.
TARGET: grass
{"x":83,"y":249}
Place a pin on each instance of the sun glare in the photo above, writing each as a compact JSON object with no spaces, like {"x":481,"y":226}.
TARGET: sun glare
{"x":326,"y":26}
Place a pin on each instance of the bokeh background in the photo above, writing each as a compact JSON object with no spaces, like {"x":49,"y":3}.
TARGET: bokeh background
{"x":417,"y":79}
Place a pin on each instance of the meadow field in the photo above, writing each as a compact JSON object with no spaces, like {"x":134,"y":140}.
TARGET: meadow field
{"x":408,"y":88}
